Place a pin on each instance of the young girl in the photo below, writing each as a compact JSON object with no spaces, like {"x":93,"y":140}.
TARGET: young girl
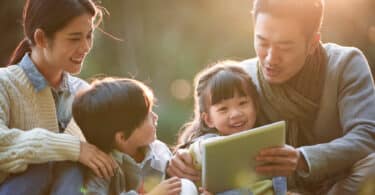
{"x":116,"y":115}
{"x":36,"y":93}
{"x":225,"y":103}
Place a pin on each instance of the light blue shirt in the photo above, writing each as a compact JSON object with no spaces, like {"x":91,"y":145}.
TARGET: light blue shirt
{"x":131,"y":177}
{"x":63,"y":95}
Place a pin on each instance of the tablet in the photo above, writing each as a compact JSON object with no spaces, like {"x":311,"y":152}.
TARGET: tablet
{"x":228,"y":162}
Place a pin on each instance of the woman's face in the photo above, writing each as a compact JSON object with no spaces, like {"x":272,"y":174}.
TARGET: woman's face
{"x":68,"y":48}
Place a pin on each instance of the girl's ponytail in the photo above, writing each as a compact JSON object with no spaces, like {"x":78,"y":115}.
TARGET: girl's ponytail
{"x":22,"y":48}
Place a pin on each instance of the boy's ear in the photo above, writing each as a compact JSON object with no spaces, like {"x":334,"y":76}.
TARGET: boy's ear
{"x":207,"y":120}
{"x":120,"y":138}
{"x":40,"y":38}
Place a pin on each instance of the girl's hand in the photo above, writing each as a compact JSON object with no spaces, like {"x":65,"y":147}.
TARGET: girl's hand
{"x":181,"y":165}
{"x":171,"y":186}
{"x":99,"y":162}
{"x":281,"y":161}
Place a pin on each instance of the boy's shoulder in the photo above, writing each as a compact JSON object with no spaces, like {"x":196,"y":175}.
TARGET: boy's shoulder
{"x":161,"y":155}
{"x":157,"y":148}
{"x":160,"y":149}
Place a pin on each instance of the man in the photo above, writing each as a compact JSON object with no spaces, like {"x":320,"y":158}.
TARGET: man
{"x":326,"y":94}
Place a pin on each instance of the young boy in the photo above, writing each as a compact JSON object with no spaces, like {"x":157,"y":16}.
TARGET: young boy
{"x":116,"y":115}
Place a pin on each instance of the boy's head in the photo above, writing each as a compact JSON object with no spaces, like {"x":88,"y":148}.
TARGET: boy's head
{"x":110,"y":106}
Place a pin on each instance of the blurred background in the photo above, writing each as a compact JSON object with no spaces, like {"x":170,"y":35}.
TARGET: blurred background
{"x":166,"y":42}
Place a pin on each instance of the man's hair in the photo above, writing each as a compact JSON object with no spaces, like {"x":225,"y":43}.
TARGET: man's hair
{"x":309,"y":13}
{"x":109,"y":106}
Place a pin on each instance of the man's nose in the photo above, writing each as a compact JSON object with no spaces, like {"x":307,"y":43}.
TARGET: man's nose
{"x":272,"y":56}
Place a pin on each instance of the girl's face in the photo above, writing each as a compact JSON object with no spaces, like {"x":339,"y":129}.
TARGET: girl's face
{"x":145,"y":134}
{"x":231,"y":115}
{"x":68,"y":48}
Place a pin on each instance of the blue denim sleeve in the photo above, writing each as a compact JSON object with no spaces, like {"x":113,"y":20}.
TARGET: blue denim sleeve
{"x":236,"y":192}
{"x":279,"y":185}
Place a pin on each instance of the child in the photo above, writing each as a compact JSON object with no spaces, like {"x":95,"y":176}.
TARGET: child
{"x":116,"y":115}
{"x":225,"y":103}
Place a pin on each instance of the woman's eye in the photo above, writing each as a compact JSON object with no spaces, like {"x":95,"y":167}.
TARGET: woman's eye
{"x":89,"y":36}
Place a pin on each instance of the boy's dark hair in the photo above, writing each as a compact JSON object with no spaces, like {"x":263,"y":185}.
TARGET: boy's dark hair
{"x":109,"y":106}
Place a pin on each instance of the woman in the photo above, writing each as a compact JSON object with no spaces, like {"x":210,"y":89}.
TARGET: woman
{"x":36,"y":93}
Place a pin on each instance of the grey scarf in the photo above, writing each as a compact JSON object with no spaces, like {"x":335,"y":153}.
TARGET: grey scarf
{"x":297,"y":100}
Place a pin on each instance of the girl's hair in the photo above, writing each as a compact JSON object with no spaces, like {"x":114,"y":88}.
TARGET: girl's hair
{"x":213,"y":85}
{"x":50,"y":16}
{"x":309,"y":13}
{"x":111,"y":105}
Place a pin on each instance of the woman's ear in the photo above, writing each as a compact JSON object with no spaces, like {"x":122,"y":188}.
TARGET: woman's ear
{"x":207,"y":120}
{"x":40,"y":38}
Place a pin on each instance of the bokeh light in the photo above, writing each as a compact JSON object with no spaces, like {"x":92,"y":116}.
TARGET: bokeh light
{"x":181,"y":89}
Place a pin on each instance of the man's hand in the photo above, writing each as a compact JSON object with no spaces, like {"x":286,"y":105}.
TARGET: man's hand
{"x":181,"y":165}
{"x":281,"y":161}
{"x":171,"y":186}
{"x":101,"y":163}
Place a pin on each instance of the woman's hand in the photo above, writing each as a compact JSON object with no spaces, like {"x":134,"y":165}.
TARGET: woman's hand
{"x":281,"y":161}
{"x":171,"y":186}
{"x":101,"y":163}
{"x":181,"y":165}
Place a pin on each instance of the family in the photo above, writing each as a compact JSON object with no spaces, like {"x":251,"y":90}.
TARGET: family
{"x":62,"y":135}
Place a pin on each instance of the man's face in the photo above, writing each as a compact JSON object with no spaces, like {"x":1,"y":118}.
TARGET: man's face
{"x":281,"y":47}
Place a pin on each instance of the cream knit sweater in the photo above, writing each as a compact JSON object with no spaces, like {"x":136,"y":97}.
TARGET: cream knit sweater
{"x":28,"y":125}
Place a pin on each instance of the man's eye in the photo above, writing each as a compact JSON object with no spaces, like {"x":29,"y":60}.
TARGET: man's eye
{"x":74,"y":39}
{"x":263,"y":45}
{"x":244,"y":102}
{"x":285,"y":49}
